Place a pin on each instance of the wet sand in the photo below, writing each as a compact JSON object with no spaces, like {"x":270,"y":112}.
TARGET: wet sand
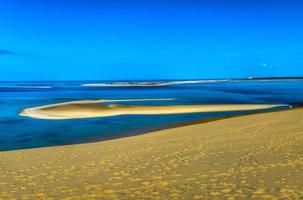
{"x":97,"y":108}
{"x":256,"y":156}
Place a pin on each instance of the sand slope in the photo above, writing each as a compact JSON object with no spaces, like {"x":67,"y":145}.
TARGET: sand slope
{"x":250,"y":157}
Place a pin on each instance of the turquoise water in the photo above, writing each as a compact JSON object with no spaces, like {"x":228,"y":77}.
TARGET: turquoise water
{"x":18,"y":132}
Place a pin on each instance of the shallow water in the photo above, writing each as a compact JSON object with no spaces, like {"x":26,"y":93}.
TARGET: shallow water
{"x":18,"y":132}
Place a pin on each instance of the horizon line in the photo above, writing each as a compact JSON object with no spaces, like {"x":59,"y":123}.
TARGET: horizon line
{"x":123,"y":80}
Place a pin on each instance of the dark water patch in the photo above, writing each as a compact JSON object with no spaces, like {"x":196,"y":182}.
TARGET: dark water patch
{"x":24,"y":90}
{"x":29,"y":139}
{"x":247,"y":92}
{"x":277,"y":100}
{"x":23,"y":135}
{"x":10,"y":121}
{"x":49,"y":135}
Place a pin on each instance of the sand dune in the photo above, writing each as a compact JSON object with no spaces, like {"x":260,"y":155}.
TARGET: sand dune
{"x":90,"y":109}
{"x":249,"y":157}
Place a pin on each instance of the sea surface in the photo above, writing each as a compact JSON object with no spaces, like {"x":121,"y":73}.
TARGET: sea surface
{"x":18,"y":132}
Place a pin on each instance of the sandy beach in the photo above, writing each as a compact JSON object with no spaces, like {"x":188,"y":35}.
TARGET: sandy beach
{"x":256,"y":156}
{"x":97,"y":108}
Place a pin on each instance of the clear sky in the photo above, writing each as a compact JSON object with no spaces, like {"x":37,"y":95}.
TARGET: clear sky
{"x":149,"y":39}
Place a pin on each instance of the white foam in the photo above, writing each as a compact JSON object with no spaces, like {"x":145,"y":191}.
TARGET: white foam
{"x":149,"y":84}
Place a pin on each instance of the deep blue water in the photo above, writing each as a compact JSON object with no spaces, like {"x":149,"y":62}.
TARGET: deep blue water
{"x":18,"y":132}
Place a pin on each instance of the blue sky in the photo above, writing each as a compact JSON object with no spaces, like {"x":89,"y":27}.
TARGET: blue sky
{"x":111,"y":39}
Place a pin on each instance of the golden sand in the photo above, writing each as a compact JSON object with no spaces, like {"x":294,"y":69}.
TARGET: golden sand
{"x":94,"y":108}
{"x":249,"y":157}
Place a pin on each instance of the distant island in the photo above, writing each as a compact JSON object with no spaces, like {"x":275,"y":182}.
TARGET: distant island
{"x":181,"y":82}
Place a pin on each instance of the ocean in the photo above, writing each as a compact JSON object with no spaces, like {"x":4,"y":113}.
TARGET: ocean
{"x":17,"y":132}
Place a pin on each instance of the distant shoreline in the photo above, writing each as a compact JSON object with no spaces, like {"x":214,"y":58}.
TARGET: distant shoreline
{"x":151,"y":80}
